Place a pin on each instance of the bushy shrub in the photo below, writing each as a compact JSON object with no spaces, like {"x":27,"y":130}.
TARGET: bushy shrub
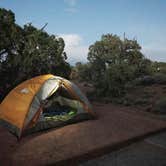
{"x":114,"y":80}
{"x":141,"y":101}
{"x":157,"y":78}
{"x":114,"y":63}
{"x":160,"y":78}
{"x":145,"y":80}
{"x":81,"y":72}
{"x":159,"y":67}
{"x":160,"y":106}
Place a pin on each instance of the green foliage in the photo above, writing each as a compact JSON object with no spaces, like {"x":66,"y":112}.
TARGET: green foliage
{"x":82,"y":72}
{"x":115,"y":77}
{"x":114,"y":63}
{"x":159,"y":67}
{"x":27,"y":52}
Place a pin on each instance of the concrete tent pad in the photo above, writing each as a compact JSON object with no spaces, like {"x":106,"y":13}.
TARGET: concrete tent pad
{"x":114,"y":126}
{"x":137,"y":154}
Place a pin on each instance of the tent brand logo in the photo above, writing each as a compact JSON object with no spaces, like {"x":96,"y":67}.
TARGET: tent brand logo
{"x":25,"y":90}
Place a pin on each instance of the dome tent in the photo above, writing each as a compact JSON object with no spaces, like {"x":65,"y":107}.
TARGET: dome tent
{"x":22,"y":108}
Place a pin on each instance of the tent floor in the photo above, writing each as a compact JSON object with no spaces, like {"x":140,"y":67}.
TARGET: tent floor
{"x":114,"y":128}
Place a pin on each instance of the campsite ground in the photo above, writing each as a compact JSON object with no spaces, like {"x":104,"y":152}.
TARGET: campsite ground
{"x":115,"y":127}
{"x":119,"y":132}
{"x":150,"y":151}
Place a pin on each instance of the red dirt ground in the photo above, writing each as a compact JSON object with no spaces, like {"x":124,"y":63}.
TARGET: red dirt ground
{"x":114,"y":126}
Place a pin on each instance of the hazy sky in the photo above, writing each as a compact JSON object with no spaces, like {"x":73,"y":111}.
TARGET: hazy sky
{"x":82,"y":22}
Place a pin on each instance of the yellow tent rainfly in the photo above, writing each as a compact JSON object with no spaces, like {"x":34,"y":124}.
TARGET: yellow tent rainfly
{"x":43,"y":102}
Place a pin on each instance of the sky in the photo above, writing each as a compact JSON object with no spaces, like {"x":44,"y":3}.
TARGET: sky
{"x":82,"y":22}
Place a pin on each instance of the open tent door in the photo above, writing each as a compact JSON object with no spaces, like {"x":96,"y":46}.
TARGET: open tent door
{"x":59,"y":109}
